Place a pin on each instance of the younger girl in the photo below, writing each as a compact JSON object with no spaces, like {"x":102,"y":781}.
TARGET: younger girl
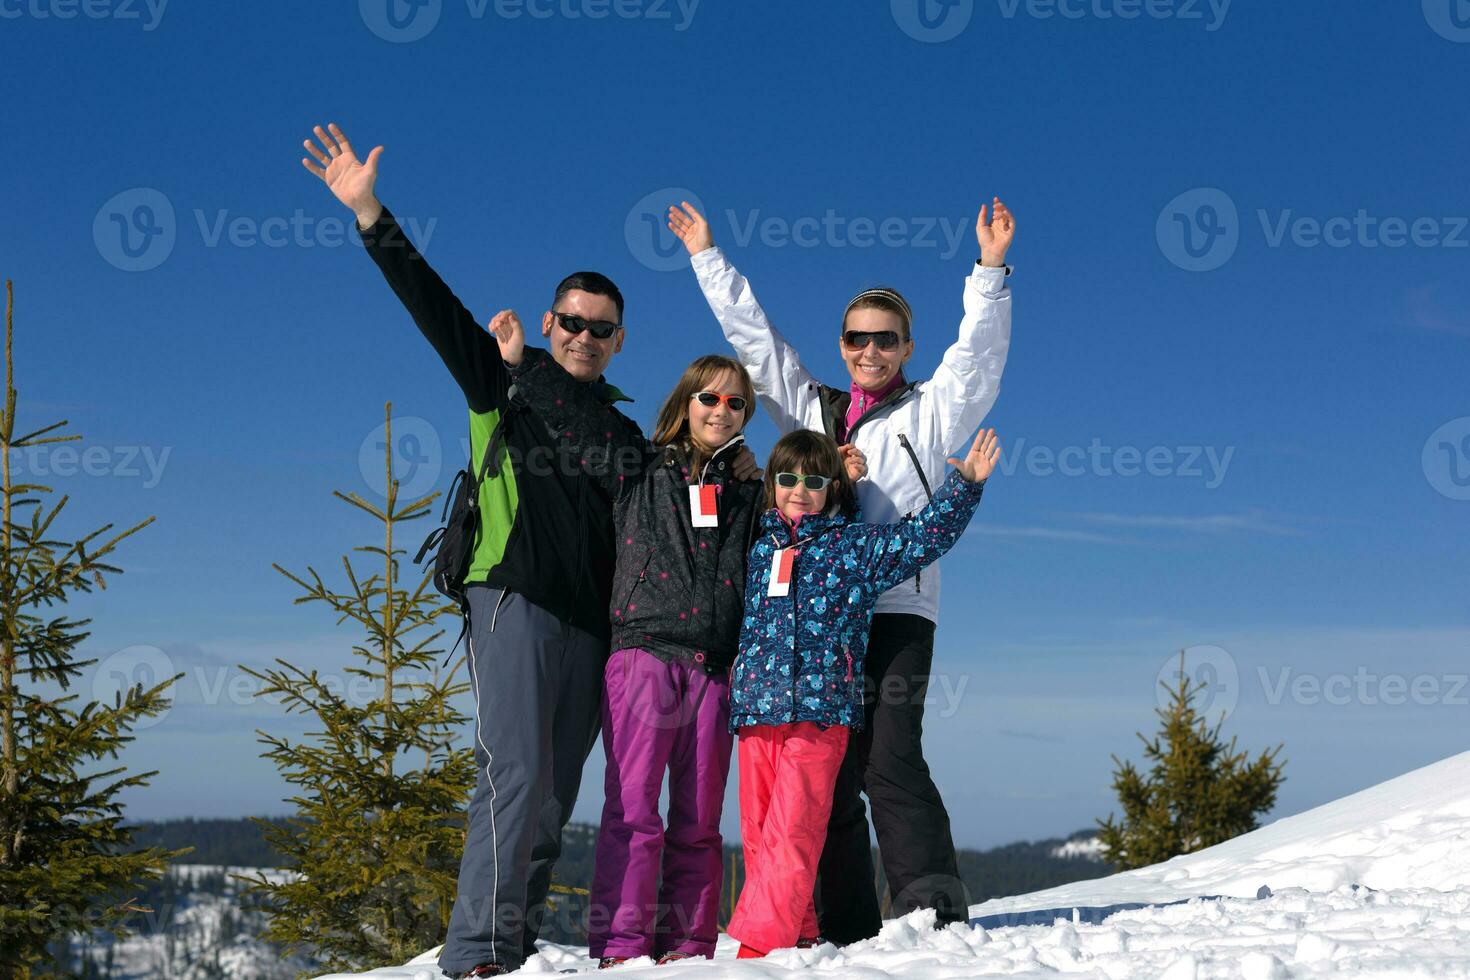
{"x":796,"y":689}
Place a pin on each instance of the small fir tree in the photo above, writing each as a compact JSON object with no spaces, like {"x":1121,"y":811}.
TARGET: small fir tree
{"x":379,"y":825}
{"x":66,"y":858}
{"x":1198,"y":792}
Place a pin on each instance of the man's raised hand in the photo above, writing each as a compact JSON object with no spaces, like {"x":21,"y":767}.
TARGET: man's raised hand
{"x":979,"y":463}
{"x":691,"y":228}
{"x":995,"y":235}
{"x":347,"y":177}
{"x":510,"y":335}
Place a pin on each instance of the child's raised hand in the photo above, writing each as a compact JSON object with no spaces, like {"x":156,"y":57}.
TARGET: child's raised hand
{"x":995,"y":235}
{"x":691,"y":228}
{"x":510,"y":335}
{"x":979,"y":463}
{"x":854,"y":462}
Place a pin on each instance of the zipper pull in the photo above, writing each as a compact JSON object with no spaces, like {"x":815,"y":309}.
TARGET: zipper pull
{"x":848,"y":654}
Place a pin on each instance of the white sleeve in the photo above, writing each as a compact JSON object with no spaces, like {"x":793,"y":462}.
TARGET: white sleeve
{"x":959,"y":396}
{"x":787,"y":390}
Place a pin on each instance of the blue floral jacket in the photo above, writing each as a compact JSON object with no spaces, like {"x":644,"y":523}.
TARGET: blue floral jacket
{"x":801,"y":655}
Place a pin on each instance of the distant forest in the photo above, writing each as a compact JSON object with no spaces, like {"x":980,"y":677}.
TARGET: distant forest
{"x":1010,"y":870}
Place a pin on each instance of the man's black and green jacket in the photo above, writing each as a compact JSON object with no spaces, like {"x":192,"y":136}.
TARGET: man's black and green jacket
{"x":546,"y":529}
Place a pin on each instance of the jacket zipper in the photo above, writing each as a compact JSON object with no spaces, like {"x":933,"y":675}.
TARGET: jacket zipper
{"x":893,"y":398}
{"x":851,"y":693}
{"x":633,"y":589}
{"x":903,"y":441}
{"x":795,"y":660}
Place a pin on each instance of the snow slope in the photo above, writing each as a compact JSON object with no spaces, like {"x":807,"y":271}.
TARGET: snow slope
{"x":1376,"y":884}
{"x":1410,"y":832}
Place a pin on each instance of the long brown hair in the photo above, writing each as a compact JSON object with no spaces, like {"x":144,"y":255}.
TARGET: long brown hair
{"x":673,"y":419}
{"x":811,"y":454}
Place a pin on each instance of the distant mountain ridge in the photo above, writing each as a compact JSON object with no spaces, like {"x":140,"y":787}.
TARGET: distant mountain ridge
{"x":197,"y":924}
{"x":1011,"y":869}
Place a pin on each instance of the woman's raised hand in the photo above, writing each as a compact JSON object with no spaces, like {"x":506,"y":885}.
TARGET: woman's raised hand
{"x":745,"y":466}
{"x":854,"y":462}
{"x":510,"y":335}
{"x":691,"y":228}
{"x":348,"y":178}
{"x":995,"y":235}
{"x":979,"y":463}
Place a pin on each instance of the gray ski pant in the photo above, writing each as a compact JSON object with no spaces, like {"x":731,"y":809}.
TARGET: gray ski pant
{"x":538,"y":689}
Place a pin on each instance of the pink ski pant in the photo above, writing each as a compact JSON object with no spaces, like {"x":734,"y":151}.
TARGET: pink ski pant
{"x":787,"y":773}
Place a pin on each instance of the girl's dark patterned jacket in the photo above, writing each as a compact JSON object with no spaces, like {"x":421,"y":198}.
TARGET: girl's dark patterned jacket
{"x":677,"y":589}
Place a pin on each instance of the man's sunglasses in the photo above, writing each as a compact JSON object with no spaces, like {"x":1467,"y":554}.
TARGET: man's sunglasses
{"x":571,"y":323}
{"x":858,"y":339}
{"x":788,"y":481}
{"x":709,"y":399}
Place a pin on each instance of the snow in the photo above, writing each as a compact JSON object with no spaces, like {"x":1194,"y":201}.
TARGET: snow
{"x":205,"y":935}
{"x":1376,"y":884}
{"x":1089,"y":848}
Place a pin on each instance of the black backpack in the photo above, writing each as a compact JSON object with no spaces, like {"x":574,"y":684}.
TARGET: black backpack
{"x":456,"y":538}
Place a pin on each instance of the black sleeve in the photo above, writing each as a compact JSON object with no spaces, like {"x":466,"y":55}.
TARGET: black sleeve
{"x":613,"y":447}
{"x":470,"y":352}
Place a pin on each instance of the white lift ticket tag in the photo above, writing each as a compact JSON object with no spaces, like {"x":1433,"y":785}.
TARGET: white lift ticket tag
{"x":781,"y":563}
{"x":704,"y":506}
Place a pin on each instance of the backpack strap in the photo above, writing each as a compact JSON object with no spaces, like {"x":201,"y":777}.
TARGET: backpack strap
{"x":515,"y":403}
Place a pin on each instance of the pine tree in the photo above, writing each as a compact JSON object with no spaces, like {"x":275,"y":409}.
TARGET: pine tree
{"x":379,"y":824}
{"x":66,"y":858}
{"x":1199,"y":791}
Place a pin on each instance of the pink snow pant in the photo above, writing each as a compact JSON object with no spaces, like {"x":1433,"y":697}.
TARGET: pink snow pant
{"x":660,"y":717}
{"x":787,"y":773}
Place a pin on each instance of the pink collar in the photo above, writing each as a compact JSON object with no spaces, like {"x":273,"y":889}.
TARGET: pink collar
{"x":863,"y":399}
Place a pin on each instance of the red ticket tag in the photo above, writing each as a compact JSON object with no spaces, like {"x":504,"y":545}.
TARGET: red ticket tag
{"x":704,"y":506}
{"x":781,"y":563}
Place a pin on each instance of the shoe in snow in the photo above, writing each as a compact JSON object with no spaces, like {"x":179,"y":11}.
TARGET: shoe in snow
{"x":483,"y":970}
{"x":810,"y":942}
{"x":608,"y":962}
{"x":672,"y":957}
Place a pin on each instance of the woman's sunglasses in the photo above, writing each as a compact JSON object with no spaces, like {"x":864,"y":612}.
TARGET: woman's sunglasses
{"x":709,"y":399}
{"x":858,"y":339}
{"x":571,"y":323}
{"x":788,"y":481}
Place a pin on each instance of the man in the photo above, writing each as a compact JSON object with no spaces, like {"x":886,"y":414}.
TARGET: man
{"x":906,"y":431}
{"x":538,"y":583}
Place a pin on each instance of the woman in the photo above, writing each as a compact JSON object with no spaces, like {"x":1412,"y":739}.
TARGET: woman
{"x":906,"y":430}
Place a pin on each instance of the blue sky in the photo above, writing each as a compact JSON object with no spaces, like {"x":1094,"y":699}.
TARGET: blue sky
{"x":1235,"y":407}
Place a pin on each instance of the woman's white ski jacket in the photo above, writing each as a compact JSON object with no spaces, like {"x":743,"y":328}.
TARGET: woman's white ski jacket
{"x":907,"y":436}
